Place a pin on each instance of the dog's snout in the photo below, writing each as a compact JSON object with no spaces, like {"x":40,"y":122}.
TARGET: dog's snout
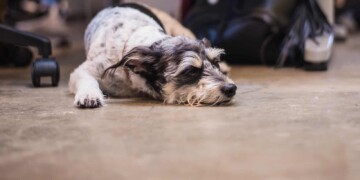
{"x":229,"y":89}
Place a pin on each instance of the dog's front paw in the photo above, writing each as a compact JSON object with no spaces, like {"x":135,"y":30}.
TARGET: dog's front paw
{"x":89,"y":99}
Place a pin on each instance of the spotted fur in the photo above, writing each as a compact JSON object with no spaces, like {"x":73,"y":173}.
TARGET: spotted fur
{"x":129,"y":55}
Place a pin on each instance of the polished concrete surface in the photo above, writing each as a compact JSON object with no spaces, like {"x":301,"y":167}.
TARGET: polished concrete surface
{"x":285,"y":124}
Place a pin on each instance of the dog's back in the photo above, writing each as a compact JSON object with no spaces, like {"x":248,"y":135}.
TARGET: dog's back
{"x":111,"y":29}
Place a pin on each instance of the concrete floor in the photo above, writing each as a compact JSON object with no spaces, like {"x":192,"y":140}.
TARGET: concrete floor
{"x":285,"y":124}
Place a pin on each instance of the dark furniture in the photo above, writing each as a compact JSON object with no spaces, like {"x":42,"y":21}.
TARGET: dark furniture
{"x":46,"y":66}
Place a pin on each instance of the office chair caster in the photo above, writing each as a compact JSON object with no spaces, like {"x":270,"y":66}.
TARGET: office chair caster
{"x":42,"y":67}
{"x":46,"y":67}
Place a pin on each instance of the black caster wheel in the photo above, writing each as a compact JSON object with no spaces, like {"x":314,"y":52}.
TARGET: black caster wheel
{"x":316,"y":66}
{"x":45,"y":68}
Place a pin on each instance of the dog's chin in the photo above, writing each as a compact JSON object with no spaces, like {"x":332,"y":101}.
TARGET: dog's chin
{"x":220,"y":101}
{"x":225,"y":103}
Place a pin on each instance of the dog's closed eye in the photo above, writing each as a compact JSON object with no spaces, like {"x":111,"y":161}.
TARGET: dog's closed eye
{"x":189,"y":75}
{"x":191,"y":71}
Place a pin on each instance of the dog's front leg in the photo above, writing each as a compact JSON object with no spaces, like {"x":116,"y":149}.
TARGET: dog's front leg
{"x":86,"y":89}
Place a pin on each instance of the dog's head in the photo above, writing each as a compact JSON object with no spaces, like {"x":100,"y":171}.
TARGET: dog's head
{"x":181,"y":70}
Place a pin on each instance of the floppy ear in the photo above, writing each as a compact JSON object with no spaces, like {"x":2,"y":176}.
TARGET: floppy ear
{"x":139,"y":60}
{"x":205,"y":42}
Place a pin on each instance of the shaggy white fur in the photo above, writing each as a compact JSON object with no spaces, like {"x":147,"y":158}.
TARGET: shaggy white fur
{"x":133,"y":40}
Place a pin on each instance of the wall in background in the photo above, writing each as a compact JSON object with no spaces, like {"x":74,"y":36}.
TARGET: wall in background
{"x":172,"y":7}
{"x":90,"y":7}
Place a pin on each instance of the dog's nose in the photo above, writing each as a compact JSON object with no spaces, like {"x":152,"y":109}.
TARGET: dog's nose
{"x":229,"y":89}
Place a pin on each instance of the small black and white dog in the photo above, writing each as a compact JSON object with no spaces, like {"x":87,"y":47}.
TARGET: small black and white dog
{"x":130,"y":55}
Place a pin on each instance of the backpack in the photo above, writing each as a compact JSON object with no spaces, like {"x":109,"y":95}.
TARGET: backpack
{"x":257,"y":31}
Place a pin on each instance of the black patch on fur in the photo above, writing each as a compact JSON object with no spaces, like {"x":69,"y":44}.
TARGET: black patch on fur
{"x":145,"y":62}
{"x":154,"y":79}
{"x":190,"y":75}
{"x":117,"y":26}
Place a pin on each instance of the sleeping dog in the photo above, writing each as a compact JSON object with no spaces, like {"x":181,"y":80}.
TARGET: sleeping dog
{"x":136,"y":51}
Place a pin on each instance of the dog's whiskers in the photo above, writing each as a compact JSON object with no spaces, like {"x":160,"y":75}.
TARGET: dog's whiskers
{"x":217,"y":101}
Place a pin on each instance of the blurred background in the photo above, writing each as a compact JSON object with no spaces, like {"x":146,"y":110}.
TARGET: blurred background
{"x":285,"y":123}
{"x":229,"y":24}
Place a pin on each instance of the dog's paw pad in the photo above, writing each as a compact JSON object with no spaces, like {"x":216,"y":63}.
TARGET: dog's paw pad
{"x":89,"y":100}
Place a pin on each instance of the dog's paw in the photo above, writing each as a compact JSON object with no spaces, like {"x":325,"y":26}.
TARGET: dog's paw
{"x":89,"y":100}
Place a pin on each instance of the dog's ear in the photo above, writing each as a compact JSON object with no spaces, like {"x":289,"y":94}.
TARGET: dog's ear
{"x":205,"y":42}
{"x":139,"y":60}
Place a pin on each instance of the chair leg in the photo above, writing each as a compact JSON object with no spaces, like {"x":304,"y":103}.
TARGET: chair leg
{"x":21,"y":38}
{"x":42,"y":67}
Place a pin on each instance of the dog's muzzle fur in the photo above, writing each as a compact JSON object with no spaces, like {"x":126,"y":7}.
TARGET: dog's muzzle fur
{"x":129,"y":55}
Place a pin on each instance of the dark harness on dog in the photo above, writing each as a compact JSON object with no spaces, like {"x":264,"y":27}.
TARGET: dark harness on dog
{"x":142,"y":9}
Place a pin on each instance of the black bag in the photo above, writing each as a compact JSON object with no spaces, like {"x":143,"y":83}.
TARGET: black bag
{"x":257,"y":31}
{"x":250,"y":31}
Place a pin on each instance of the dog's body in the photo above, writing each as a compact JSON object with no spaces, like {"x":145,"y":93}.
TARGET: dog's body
{"x":130,"y":55}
